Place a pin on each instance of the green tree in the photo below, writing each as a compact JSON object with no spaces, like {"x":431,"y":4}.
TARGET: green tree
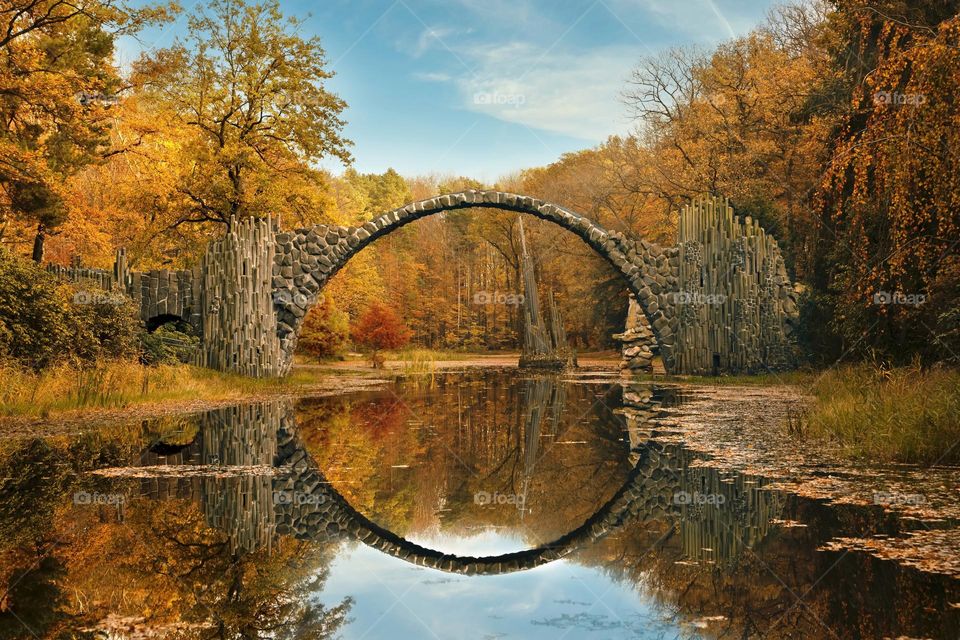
{"x":383,"y":191}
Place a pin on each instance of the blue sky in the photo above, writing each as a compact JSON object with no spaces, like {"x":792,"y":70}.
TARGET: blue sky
{"x":394,"y":600}
{"x":487,"y":87}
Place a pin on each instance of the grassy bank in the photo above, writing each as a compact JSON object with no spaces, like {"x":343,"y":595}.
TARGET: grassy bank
{"x":901,"y":415}
{"x":119,"y":384}
{"x":908,"y":414}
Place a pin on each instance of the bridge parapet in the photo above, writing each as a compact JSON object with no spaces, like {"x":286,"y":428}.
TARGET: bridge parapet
{"x":159,"y":293}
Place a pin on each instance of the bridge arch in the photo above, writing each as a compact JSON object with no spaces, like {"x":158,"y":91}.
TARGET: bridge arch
{"x":306,"y":259}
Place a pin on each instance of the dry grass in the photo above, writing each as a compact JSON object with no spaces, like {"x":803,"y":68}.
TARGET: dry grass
{"x":419,"y":355}
{"x":119,"y":384}
{"x":907,"y":415}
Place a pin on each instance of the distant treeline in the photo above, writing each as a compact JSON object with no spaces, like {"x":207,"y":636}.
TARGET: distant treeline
{"x":833,"y":123}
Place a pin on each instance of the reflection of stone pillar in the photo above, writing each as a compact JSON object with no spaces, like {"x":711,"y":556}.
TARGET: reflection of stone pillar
{"x":724,"y":513}
{"x":717,"y":514}
{"x":639,"y":406}
{"x":242,"y":506}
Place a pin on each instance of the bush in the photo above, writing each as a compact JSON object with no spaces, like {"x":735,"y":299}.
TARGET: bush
{"x":105,"y":330}
{"x":41,"y":324}
{"x":169,"y":344}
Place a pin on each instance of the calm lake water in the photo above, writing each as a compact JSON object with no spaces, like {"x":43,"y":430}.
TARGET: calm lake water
{"x":481,"y":504}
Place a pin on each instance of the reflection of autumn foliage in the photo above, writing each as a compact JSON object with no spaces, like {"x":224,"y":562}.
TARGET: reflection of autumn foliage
{"x":382,"y":417}
{"x":165,"y":565}
{"x":65,"y":566}
{"x":418,"y":457}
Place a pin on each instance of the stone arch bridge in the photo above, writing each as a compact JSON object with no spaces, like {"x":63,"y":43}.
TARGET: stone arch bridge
{"x":720,"y":300}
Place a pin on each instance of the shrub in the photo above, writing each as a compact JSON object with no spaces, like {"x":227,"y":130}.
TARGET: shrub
{"x":41,"y":324}
{"x":168,"y":344}
{"x":104,"y":330}
{"x":34,"y":322}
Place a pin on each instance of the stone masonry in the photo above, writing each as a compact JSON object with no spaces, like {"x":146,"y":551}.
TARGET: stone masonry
{"x":255,"y":286}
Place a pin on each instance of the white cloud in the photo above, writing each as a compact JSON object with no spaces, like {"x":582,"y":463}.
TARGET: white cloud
{"x":429,"y":38}
{"x":433,"y":77}
{"x":575,"y":94}
{"x":554,"y":88}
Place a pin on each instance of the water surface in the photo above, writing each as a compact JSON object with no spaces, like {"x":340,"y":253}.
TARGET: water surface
{"x":477,"y":504}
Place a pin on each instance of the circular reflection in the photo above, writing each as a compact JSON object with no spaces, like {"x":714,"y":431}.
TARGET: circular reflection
{"x":528,"y":457}
{"x":628,"y":479}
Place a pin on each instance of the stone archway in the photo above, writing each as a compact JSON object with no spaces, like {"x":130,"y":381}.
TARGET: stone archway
{"x":306,"y":259}
{"x":720,"y":300}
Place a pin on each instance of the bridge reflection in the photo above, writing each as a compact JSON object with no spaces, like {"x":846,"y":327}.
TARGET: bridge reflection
{"x":716,"y":515}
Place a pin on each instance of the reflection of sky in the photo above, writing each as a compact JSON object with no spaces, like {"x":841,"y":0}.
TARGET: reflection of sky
{"x":395,"y":599}
{"x":490,"y":542}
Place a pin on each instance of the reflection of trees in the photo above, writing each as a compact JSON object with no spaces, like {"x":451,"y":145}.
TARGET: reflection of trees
{"x":234,"y":594}
{"x":471,"y":432}
{"x":37,"y":478}
{"x":160,"y":562}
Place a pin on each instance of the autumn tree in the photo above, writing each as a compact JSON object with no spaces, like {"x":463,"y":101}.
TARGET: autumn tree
{"x":726,"y":122}
{"x":57,"y":86}
{"x":889,"y":200}
{"x":380,"y":327}
{"x":325,"y":330}
{"x":251,"y":91}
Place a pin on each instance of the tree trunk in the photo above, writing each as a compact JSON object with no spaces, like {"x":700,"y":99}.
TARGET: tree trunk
{"x":38,"y":243}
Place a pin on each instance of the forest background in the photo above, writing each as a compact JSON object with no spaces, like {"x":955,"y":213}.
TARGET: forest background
{"x":835,"y":125}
